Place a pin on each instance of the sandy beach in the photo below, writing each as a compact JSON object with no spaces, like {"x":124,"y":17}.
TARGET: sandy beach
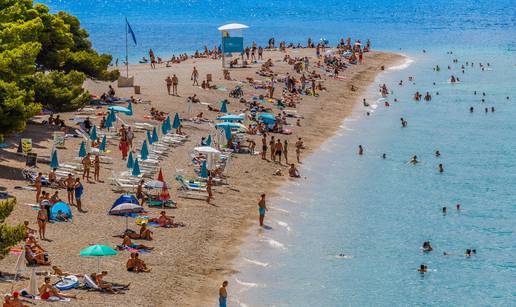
{"x":188,"y":263}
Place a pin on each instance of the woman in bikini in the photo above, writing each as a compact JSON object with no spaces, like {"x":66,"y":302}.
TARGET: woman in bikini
{"x":96,"y":169}
{"x":42,"y":218}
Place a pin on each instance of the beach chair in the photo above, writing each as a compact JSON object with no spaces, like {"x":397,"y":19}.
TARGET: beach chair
{"x":188,"y":190}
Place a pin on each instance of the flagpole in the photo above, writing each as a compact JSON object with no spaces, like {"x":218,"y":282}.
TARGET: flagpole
{"x":126,"y":50}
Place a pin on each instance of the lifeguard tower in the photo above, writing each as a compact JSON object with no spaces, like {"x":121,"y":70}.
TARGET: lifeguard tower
{"x":232,"y":39}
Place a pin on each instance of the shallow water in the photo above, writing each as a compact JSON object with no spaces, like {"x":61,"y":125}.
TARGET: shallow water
{"x":374,"y":212}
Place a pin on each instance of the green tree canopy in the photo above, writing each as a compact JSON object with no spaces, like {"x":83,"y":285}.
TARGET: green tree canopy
{"x":44,"y":60}
{"x":9,"y":235}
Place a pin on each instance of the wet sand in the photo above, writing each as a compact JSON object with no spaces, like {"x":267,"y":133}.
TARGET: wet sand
{"x":189,"y":263}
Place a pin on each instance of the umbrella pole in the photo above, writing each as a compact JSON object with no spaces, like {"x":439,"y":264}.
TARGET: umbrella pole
{"x":98,"y":264}
{"x":126,"y":223}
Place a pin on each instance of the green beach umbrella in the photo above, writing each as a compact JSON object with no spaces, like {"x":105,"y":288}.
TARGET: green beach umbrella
{"x":155,"y":135}
{"x":208,"y":140}
{"x":144,"y":153}
{"x":130,"y":160}
{"x":54,"y":162}
{"x":102,"y":146}
{"x":177,"y":122}
{"x":93,"y":133}
{"x":136,"y":168}
{"x":204,"y":170}
{"x":149,"y":137}
{"x":82,"y":150}
{"x":223,"y":107}
{"x":98,"y":250}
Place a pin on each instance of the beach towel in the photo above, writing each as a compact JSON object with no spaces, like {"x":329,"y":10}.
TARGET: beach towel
{"x":53,"y":299}
{"x":132,"y":250}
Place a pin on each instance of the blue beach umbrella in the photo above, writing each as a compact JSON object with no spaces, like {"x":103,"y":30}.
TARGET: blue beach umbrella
{"x":149,"y":137}
{"x":155,"y":135}
{"x":136,"y":168}
{"x":204,"y":170}
{"x":102,"y":146}
{"x":82,"y":150}
{"x":229,"y":125}
{"x":177,"y":122}
{"x":130,"y":160}
{"x":164,"y":128}
{"x":93,"y":133}
{"x":144,"y":153}
{"x":54,"y":163}
{"x":267,"y":118}
{"x":208,"y":140}
{"x":109,"y":122}
{"x":167,"y":122}
{"x":227,"y":131}
{"x":223,"y":107}
{"x":112,"y":116}
{"x":231,"y":118}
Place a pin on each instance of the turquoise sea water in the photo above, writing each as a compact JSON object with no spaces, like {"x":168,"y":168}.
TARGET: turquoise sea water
{"x":376,"y":212}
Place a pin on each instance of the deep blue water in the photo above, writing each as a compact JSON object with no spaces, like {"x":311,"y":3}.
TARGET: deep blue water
{"x":376,"y":212}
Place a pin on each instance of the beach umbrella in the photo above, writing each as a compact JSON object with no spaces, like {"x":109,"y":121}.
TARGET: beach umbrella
{"x":144,"y":153}
{"x":223,"y":107}
{"x":164,"y":195}
{"x":130,"y":108}
{"x":167,"y":122}
{"x":231,"y":117}
{"x":228,"y":134}
{"x":160,"y":176}
{"x":93,"y":133}
{"x":112,"y":116}
{"x":136,"y":168}
{"x":208,"y":140}
{"x":177,"y":122}
{"x":82,"y":150}
{"x":54,"y":162}
{"x":164,"y":129}
{"x":130,"y":160}
{"x":102,"y":146}
{"x":229,"y":125}
{"x":149,"y":137}
{"x":154,"y":135}
{"x":267,"y":118}
{"x":98,"y":251}
{"x":126,"y":209}
{"x":207,"y":150}
{"x":204,"y":170}
{"x":109,"y":122}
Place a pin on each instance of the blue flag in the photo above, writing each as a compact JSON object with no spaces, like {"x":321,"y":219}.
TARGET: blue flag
{"x":130,"y":31}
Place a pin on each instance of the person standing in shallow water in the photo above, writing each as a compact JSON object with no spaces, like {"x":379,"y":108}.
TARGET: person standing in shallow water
{"x":262,"y":207}
{"x":223,"y":294}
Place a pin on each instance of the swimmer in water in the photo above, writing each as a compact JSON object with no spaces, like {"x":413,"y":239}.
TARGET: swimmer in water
{"x":360,"y":150}
{"x":414,"y":160}
{"x":492,"y":109}
{"x":404,"y":123}
{"x":384,"y":156}
{"x":365,"y":103}
{"x":441,"y":168}
{"x":445,"y":210}
{"x":422,"y":269}
{"x":437,"y":153}
{"x":427,"y":247}
{"x":457,"y":206}
{"x":471,"y":109}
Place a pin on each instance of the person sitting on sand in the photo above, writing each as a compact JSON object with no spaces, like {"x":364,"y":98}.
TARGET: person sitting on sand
{"x":27,"y":230}
{"x":135,"y":264}
{"x":145,"y":233}
{"x":61,"y":216}
{"x":293,"y":172}
{"x":46,"y":290}
{"x":101,"y":283}
{"x":13,"y":300}
{"x":128,"y":243}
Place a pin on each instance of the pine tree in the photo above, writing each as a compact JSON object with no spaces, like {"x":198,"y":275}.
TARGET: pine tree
{"x":9,"y":235}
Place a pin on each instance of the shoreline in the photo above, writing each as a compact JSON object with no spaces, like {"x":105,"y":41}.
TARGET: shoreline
{"x":398,"y":61}
{"x":192,"y":260}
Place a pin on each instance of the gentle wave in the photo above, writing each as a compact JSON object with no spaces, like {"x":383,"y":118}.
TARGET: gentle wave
{"x":404,"y":65}
{"x":274,"y":243}
{"x":262,"y":264}
{"x":247,"y":284}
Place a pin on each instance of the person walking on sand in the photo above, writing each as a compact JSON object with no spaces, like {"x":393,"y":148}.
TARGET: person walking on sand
{"x":209,"y":184}
{"x":262,"y":207}
{"x":69,"y":188}
{"x":264,"y":147}
{"x":299,"y":146}
{"x":175,"y":82}
{"x":96,"y":169}
{"x":130,"y":136}
{"x":278,"y":150}
{"x":195,"y":76}
{"x":223,"y":294}
{"x":168,"y":81}
{"x":272,"y":144}
{"x":78,"y":189}
{"x":285,"y":151}
{"x":86,"y":164}
{"x":37,"y":184}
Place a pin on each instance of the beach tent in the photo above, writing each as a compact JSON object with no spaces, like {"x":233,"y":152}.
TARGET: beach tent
{"x":82,"y":150}
{"x":54,"y":162}
{"x":130,"y":160}
{"x":60,"y":206}
{"x":125,"y":198}
{"x":231,"y":117}
{"x":177,"y":121}
{"x":127,"y":111}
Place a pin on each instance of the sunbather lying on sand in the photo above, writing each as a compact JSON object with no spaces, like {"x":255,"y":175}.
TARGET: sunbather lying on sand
{"x":135,"y":264}
{"x":97,"y":278}
{"x":58,"y":272}
{"x":46,"y":290}
{"x":163,"y":220}
{"x":128,"y":243}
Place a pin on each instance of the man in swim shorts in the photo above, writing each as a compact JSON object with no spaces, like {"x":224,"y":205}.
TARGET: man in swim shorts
{"x":262,"y":208}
